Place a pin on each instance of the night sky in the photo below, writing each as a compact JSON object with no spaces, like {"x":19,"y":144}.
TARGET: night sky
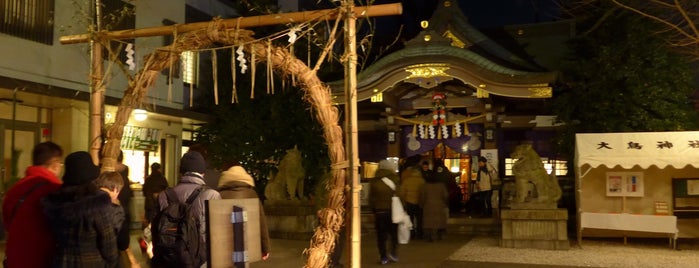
{"x":480,"y":13}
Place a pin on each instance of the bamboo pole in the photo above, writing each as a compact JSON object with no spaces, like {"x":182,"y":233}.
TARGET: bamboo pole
{"x":242,"y":22}
{"x":355,"y":258}
{"x":96,"y":89}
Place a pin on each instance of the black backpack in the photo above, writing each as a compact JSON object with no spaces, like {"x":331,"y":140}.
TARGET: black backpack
{"x":176,"y":239}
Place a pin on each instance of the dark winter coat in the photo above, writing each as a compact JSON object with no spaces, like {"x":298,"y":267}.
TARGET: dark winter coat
{"x":125,"y":195}
{"x":434,"y":201}
{"x":236,"y":183}
{"x":85,"y":223}
{"x":379,"y":193}
{"x":155,"y":183}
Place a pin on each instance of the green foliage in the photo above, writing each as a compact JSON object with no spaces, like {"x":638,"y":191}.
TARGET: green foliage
{"x":622,"y":77}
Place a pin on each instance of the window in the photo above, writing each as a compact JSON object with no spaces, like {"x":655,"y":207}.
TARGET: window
{"x":560,"y":166}
{"x":28,"y":19}
{"x":189,"y":67}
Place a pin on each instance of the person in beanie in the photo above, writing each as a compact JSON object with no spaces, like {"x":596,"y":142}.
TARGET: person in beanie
{"x":380,"y":194}
{"x":83,"y":218}
{"x":154,"y":184}
{"x":30,"y":241}
{"x":192,"y":168}
{"x":236,"y":183}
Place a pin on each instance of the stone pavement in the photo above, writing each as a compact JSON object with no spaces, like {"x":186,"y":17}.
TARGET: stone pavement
{"x":461,"y":249}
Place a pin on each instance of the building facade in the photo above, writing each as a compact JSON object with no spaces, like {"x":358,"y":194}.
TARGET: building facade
{"x":45,"y":85}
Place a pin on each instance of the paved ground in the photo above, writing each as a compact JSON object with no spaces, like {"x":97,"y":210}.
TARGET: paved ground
{"x":461,"y":250}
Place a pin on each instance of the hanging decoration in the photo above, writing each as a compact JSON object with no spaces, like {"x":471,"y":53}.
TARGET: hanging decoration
{"x":425,"y":130}
{"x":270,"y":78}
{"x":129,"y":57}
{"x":214,"y":71}
{"x":292,"y":35}
{"x":234,"y":90}
{"x":172,"y":60}
{"x":241,"y":59}
{"x":253,"y":66}
{"x":438,"y":109}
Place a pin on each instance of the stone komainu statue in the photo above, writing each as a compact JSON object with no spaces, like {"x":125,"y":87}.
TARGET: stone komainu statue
{"x":527,"y":169}
{"x":287,"y":183}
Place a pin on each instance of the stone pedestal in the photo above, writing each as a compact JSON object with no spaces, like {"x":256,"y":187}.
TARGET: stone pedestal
{"x":290,"y":221}
{"x":535,"y":228}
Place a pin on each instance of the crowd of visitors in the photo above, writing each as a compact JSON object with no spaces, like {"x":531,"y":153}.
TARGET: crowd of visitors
{"x":82,"y":219}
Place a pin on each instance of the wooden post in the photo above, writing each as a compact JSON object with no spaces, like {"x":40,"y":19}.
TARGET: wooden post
{"x":351,"y":130}
{"x":241,"y":22}
{"x":96,"y":88}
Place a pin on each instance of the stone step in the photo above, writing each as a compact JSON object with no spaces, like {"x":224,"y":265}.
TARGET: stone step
{"x":462,"y":224}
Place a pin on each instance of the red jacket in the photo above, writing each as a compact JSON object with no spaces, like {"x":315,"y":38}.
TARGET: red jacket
{"x":30,"y":243}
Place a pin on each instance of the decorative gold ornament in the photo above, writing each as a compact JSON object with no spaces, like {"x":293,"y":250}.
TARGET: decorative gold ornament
{"x":455,"y":41}
{"x":427,"y":70}
{"x":447,"y":3}
{"x":424,"y":24}
{"x":428,"y":38}
{"x":540,"y":92}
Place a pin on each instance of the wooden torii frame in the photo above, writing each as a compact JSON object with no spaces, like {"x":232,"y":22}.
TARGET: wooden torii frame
{"x":332,"y":216}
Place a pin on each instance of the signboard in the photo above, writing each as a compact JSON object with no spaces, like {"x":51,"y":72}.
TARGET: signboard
{"x":625,"y":184}
{"x":140,"y":138}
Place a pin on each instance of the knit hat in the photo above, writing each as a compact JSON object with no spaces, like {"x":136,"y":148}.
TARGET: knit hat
{"x":192,"y":162}
{"x":79,"y":169}
{"x":388,"y":165}
{"x":236,"y":173}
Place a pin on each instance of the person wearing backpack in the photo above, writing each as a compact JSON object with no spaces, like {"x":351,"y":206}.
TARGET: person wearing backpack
{"x":179,"y":229}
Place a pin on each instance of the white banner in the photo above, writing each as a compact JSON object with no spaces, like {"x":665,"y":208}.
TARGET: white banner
{"x":643,"y":149}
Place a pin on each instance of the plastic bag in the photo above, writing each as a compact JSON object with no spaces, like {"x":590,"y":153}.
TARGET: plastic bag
{"x":397,"y":211}
{"x":404,"y":228}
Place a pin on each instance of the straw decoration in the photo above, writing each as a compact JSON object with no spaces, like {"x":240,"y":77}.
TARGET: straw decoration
{"x":317,"y":94}
{"x":269,"y":64}
{"x":253,"y":66}
{"x":214,"y":70}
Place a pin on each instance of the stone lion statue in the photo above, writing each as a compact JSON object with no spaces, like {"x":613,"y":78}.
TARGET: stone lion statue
{"x":527,"y":169}
{"x":287,"y":183}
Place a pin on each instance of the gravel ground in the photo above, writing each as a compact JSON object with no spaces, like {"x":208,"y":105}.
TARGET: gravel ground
{"x":639,"y":252}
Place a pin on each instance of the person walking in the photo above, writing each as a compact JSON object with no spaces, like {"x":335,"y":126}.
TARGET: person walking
{"x":29,"y":239}
{"x":153,"y":185}
{"x":434,"y":200}
{"x":484,"y":180}
{"x":83,"y":218}
{"x":380,"y":195}
{"x":410,"y":189}
{"x":236,"y":183}
{"x":192,"y":168}
{"x":444,"y":175}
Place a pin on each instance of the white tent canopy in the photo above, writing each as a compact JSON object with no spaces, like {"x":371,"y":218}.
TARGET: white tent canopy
{"x":643,"y":149}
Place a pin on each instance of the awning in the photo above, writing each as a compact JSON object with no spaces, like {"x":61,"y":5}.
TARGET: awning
{"x":643,"y":149}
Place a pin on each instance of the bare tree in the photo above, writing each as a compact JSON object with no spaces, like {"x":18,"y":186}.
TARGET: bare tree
{"x":679,"y":17}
